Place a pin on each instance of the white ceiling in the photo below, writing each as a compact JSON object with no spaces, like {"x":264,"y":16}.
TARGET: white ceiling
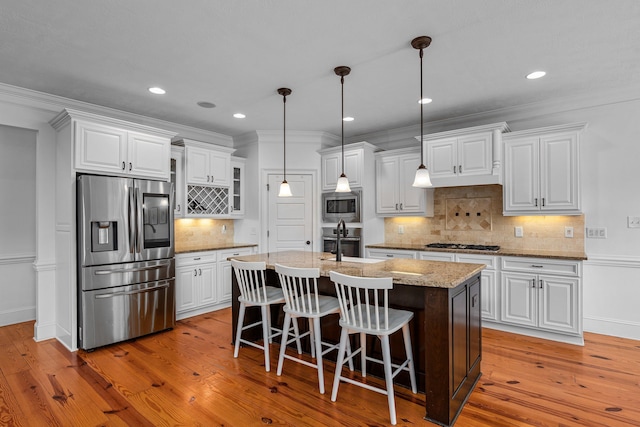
{"x":236,"y":53}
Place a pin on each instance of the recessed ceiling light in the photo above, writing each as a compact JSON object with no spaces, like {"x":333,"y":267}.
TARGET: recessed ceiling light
{"x":348,"y":119}
{"x":157,"y":90}
{"x":239,"y":116}
{"x":536,"y":75}
{"x":425,"y":101}
{"x":205,"y":104}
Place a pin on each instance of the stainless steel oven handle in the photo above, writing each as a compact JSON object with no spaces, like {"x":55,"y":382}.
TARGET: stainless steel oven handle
{"x":133,"y":270}
{"x":139,"y":291}
{"x":344,"y":239}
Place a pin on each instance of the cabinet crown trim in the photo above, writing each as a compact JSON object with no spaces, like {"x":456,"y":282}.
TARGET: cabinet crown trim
{"x":201,"y":144}
{"x":399,"y":151}
{"x":68,"y":114}
{"x":501,"y":126}
{"x":571,"y":127}
{"x":355,"y":145}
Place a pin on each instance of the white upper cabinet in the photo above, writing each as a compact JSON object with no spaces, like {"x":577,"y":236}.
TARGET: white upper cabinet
{"x":470,"y":156}
{"x":208,"y":165}
{"x":395,"y":195}
{"x":542,"y":174}
{"x":236,"y":195}
{"x":354,"y":164}
{"x":109,"y":147}
{"x":177,"y":178}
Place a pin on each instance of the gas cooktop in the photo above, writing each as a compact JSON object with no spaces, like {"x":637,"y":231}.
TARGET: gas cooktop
{"x":488,"y":248}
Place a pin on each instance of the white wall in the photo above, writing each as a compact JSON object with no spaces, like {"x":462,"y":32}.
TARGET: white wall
{"x":17,"y":224}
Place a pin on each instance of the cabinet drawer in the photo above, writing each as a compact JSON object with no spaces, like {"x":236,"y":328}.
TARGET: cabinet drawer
{"x":437,"y":256}
{"x":195,"y":258}
{"x":543,"y":266}
{"x":390,"y":254}
{"x":490,"y":261}
{"x":223,"y":255}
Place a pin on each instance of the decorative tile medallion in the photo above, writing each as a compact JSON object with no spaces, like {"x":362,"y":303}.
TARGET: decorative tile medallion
{"x":468,"y":214}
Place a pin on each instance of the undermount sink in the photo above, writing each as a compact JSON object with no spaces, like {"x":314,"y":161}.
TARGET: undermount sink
{"x":356,"y":259}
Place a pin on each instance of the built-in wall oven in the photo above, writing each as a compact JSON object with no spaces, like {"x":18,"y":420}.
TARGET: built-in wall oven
{"x":349,"y":243}
{"x":345,"y":206}
{"x":126,"y":270}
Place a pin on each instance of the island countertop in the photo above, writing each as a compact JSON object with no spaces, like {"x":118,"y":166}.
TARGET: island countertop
{"x":437,"y":274}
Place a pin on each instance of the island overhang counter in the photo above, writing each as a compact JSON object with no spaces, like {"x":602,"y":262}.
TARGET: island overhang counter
{"x":445,"y":331}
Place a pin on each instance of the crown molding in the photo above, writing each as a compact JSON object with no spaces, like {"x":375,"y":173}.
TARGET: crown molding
{"x":55,"y":104}
{"x":297,"y":137}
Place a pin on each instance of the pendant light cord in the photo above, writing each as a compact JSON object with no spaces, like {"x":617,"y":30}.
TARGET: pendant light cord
{"x":284,"y":135}
{"x":342,"y":120}
{"x":421,"y":116}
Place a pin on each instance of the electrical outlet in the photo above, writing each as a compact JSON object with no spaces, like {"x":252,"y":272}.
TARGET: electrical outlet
{"x":518,"y":231}
{"x":568,"y":232}
{"x":401,"y":229}
{"x":633,"y":221}
{"x":597,"y":233}
{"x":224,"y":229}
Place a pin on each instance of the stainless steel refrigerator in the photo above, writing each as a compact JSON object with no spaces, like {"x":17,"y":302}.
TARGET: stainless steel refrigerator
{"x":126,"y":269}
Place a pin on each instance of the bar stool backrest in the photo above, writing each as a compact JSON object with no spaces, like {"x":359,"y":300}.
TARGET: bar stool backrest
{"x":300,"y":288}
{"x":364,"y":301}
{"x":251,"y":280}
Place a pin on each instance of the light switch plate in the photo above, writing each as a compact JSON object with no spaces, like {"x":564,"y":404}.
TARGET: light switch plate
{"x":518,"y":231}
{"x":568,"y":232}
{"x":633,"y":221}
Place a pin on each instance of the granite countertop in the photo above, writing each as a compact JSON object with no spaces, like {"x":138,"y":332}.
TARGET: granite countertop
{"x":412,"y":272}
{"x":534,"y":253}
{"x":217,"y":247}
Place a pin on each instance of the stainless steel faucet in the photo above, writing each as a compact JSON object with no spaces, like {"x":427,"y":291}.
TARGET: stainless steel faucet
{"x":339,"y":239}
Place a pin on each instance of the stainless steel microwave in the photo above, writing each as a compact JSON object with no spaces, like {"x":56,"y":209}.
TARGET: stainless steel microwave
{"x":337,"y":206}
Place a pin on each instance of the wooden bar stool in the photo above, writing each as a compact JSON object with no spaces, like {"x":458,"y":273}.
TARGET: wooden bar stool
{"x":254,"y":292}
{"x":364,"y":310}
{"x":300,"y":288}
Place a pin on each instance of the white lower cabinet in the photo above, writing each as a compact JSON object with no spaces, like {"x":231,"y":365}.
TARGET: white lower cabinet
{"x":195,"y":283}
{"x":389,"y":253}
{"x":203,"y":281}
{"x":488,"y":278}
{"x":542,"y":294}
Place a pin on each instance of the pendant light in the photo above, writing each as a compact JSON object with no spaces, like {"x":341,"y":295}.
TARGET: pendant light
{"x":285,"y":190}
{"x":422,"y":179}
{"x":342,"y":186}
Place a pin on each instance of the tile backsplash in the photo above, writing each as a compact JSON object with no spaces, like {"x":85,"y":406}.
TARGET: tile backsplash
{"x":474,"y":215}
{"x":202,"y":233}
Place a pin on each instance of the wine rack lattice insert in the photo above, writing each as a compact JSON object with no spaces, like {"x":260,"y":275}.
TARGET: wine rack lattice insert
{"x":204,"y":200}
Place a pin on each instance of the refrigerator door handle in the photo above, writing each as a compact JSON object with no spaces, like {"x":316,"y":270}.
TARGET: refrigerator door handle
{"x":138,"y":291}
{"x":132,"y":270}
{"x":140,"y":223}
{"x":131,"y":208}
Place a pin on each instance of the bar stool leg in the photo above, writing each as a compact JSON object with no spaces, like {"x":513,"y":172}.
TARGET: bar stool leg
{"x":388,"y":376}
{"x":318,"y":343}
{"x":407,"y":347}
{"x":344,"y":336}
{"x":296,"y":331}
{"x":363,"y":353}
{"x":283,"y":342}
{"x":266,"y":333}
{"x":239,"y":329}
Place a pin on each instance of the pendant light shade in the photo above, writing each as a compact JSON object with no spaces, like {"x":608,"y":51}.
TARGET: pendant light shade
{"x":342,"y":186}
{"x":422,"y":179}
{"x":285,"y":189}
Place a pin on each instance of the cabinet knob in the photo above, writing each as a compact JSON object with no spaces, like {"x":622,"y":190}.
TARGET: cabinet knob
{"x":535,"y":202}
{"x":195,"y":272}
{"x":197,"y":259}
{"x":454,"y":169}
{"x":543,"y":201}
{"x":540,"y":282}
{"x":178,"y":208}
{"x":200,"y":271}
{"x":537,"y":266}
{"x":308,"y":242}
{"x":396,"y":206}
{"x":533,"y":283}
{"x":401,"y":206}
{"x":459,"y":168}
{"x":123,"y":165}
{"x":390,"y":255}
{"x":130,"y":166}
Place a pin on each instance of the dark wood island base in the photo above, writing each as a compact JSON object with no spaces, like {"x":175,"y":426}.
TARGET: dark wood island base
{"x":445,"y":330}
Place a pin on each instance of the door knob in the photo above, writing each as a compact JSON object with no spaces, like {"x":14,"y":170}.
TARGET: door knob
{"x":308,"y":242}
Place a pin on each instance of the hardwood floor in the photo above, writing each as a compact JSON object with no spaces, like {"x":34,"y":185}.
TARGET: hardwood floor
{"x":188,"y":376}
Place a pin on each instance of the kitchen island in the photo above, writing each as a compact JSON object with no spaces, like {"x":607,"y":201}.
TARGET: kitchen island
{"x":445,"y":330}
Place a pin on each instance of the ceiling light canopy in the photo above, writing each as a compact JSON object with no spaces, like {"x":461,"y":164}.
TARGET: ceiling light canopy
{"x":285,"y":189}
{"x":157,"y":90}
{"x":422,"y":179}
{"x":536,"y":75}
{"x":342,"y":186}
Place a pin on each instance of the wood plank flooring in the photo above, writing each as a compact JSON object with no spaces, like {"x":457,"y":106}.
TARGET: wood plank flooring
{"x":188,"y":376}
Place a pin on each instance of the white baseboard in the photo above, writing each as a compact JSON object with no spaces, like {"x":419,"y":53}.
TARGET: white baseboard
{"x":23,"y":314}
{"x":568,"y":339}
{"x":44,"y":332}
{"x":613,"y":327}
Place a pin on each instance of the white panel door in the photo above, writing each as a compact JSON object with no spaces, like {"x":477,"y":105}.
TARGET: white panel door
{"x":387,"y":184}
{"x":412,"y":199}
{"x":474,"y":155}
{"x":558,"y":172}
{"x":519,"y":299}
{"x":559,"y":303}
{"x":521,"y":175}
{"x":290,"y":218}
{"x":442,"y":157}
{"x":197,"y":165}
{"x":101,"y":148}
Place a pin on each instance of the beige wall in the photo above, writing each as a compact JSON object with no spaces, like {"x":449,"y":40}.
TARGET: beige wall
{"x":485,"y":223}
{"x":202,"y":233}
